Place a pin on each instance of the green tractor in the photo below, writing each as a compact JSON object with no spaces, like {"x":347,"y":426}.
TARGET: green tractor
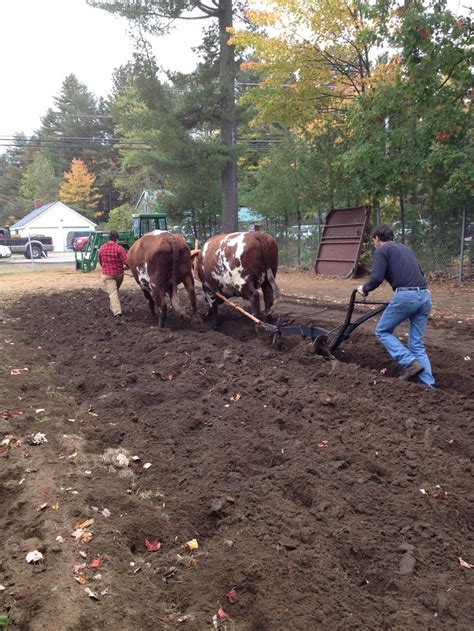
{"x":86,"y":259}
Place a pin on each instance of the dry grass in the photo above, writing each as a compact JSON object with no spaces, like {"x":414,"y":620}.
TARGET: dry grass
{"x":449,"y":299}
{"x":15,"y":283}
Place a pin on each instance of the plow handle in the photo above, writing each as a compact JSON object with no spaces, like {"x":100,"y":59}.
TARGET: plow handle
{"x":232,"y":304}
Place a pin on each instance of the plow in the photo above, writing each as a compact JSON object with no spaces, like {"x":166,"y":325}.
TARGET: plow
{"x":324,"y":341}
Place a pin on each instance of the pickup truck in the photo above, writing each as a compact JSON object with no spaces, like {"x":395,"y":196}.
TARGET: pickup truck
{"x":35,"y":246}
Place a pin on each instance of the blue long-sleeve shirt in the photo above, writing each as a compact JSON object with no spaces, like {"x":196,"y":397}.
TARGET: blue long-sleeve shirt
{"x":396,"y":263}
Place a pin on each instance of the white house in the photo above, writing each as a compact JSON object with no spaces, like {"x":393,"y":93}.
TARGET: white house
{"x":54,"y":220}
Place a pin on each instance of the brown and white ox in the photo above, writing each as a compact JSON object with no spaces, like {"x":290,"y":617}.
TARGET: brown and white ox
{"x":238,"y":264}
{"x":159,"y":262}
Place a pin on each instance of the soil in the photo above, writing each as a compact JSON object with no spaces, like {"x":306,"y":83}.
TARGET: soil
{"x":324,"y":493}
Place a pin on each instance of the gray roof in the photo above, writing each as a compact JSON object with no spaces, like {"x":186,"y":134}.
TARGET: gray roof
{"x":32,"y":215}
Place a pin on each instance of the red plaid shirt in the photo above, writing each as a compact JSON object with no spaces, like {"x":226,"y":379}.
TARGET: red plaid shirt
{"x":112,"y":258}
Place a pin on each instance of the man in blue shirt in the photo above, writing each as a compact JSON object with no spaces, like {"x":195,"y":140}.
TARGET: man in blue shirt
{"x":398,"y":264}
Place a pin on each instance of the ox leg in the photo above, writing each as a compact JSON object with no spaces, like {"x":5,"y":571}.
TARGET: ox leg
{"x":268,"y":299}
{"x":151,"y":302}
{"x":211,"y":300}
{"x":253,"y":296}
{"x":160,"y":304}
{"x":163,"y":311}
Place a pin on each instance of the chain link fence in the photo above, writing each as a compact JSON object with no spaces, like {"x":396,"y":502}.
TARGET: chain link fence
{"x":444,"y":251}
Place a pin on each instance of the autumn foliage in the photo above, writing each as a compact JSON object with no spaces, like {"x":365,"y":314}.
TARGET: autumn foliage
{"x":78,"y":190}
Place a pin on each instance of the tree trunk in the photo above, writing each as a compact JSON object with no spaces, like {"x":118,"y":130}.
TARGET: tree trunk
{"x":229,"y":119}
{"x":194,"y":223}
{"x":298,"y":219}
{"x":376,"y":207}
{"x":402,"y":214}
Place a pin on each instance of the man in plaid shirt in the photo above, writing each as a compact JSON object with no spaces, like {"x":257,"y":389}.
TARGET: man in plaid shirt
{"x":113,"y":260}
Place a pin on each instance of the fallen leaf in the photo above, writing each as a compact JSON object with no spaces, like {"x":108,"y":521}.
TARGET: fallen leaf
{"x":77,"y":569}
{"x":105,"y":512}
{"x":34,"y":556}
{"x":87,"y":536}
{"x":55,"y":506}
{"x":323,"y":444}
{"x":38,"y":439}
{"x":188,"y":616}
{"x":83,"y":524}
{"x":42,"y":506}
{"x":91,"y":594}
{"x":80,"y":578}
{"x":122,"y":460}
{"x":95,"y":563}
{"x":465,"y":564}
{"x":152,"y":546}
{"x":236,"y":397}
{"x":191,"y":545}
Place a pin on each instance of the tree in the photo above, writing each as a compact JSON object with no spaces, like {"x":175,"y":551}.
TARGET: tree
{"x":120,"y":218}
{"x":80,"y":125}
{"x":156,"y":16}
{"x":73,"y":124}
{"x":39,"y":181}
{"x":412,"y":130}
{"x":78,"y":189}
{"x":313,"y":57}
{"x":13,"y":164}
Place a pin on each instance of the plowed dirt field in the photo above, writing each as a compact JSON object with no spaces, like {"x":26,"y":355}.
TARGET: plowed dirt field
{"x":322,"y":494}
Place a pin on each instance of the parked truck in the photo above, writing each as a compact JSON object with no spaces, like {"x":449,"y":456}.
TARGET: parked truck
{"x":34,"y":245}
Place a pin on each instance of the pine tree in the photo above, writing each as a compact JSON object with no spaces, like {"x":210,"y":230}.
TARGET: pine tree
{"x":39,"y":181}
{"x":156,"y":16}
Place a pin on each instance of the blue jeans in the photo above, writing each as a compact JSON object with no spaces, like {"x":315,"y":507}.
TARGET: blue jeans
{"x":414,"y":306}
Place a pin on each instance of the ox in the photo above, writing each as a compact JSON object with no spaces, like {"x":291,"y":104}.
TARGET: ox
{"x":237,"y":264}
{"x":159,"y":261}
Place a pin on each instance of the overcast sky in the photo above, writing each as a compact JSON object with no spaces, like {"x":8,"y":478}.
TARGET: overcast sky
{"x":42,"y":41}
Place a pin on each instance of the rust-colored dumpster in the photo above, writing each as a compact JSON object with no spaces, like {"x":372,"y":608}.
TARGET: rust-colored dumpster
{"x":341,"y":241}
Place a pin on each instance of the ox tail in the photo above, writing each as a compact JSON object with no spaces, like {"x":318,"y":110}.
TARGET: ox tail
{"x":276,"y":291}
{"x":174,"y":284}
{"x":269,"y":272}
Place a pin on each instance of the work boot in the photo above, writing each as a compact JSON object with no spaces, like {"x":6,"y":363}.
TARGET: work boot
{"x":411,"y":371}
